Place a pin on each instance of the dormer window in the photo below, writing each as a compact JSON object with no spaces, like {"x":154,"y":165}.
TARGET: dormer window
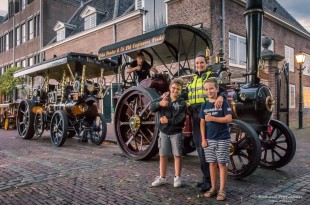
{"x":91,"y":17}
{"x":62,"y":30}
{"x":90,"y":21}
{"x":61,"y":34}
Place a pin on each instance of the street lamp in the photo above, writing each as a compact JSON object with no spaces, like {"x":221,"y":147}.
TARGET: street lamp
{"x":300,"y":58}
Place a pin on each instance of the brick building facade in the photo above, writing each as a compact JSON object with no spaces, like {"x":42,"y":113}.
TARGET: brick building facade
{"x":222,"y":19}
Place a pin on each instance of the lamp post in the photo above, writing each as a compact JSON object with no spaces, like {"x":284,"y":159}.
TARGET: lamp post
{"x":300,"y":58}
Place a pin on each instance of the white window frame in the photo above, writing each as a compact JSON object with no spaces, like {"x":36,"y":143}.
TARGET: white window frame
{"x":7,"y":45}
{"x":290,"y":57}
{"x":18,"y":36}
{"x":23,"y":33}
{"x":305,"y":95}
{"x":24,"y":3}
{"x":292,"y":104}
{"x":90,"y":21}
{"x":23,"y":63}
{"x":237,"y":50}
{"x":61,"y":34}
{"x":30,"y":61}
{"x":306,"y":65}
{"x":30,"y":29}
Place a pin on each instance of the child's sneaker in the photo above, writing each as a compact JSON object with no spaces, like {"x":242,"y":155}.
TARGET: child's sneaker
{"x":159,"y":181}
{"x":177,"y":182}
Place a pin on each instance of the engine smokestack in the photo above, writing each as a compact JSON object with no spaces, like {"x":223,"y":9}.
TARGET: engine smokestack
{"x":254,"y":19}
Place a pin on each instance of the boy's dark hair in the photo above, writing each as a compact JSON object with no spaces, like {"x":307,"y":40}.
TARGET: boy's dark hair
{"x":177,"y":81}
{"x":212,"y":80}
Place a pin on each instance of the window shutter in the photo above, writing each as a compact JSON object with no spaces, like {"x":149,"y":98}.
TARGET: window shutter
{"x":232,"y":49}
{"x":138,"y":4}
{"x":93,"y":21}
{"x":242,"y":51}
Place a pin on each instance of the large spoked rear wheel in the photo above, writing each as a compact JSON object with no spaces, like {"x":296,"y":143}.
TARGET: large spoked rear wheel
{"x":98,"y":130}
{"x":245,"y":150}
{"x":135,"y":124}
{"x":25,"y":119}
{"x":59,"y":128}
{"x":278,"y":145}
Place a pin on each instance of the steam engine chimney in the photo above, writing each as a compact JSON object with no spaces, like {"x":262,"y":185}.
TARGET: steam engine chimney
{"x":254,"y":19}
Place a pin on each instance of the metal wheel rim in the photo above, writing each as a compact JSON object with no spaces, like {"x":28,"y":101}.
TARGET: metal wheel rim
{"x":135,"y":143}
{"x":23,"y":119}
{"x":57,"y":128}
{"x":241,"y":151}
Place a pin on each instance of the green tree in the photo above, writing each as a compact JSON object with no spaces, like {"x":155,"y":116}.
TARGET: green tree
{"x":8,"y":82}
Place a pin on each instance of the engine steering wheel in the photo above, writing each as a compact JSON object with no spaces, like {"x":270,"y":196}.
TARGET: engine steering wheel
{"x":129,"y":79}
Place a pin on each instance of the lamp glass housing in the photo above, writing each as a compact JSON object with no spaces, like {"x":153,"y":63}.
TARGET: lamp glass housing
{"x":300,"y":57}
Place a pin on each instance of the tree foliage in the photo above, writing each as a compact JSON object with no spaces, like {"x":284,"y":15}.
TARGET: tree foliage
{"x":8,"y":82}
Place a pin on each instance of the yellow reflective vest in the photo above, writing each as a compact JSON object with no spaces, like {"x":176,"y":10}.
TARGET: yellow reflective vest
{"x":196,"y":93}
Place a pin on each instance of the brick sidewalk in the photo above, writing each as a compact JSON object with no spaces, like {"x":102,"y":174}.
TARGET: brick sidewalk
{"x":35,"y":172}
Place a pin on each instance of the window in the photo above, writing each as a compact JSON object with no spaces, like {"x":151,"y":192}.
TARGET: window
{"x":11,"y":38}
{"x":18,"y":64}
{"x":23,"y":4}
{"x":30,"y":61}
{"x":307,"y":65}
{"x":6,"y":42}
{"x":23,"y":63}
{"x":30,"y":29}
{"x":38,"y":24}
{"x":292,"y":96}
{"x":289,"y":57}
{"x":306,"y":94}
{"x":90,"y":21}
{"x":61,"y":34}
{"x":17,"y":36}
{"x":155,"y":16}
{"x":23,"y":32}
{"x":237,"y":51}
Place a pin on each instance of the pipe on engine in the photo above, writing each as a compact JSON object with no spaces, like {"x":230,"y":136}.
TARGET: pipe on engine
{"x":254,"y":20}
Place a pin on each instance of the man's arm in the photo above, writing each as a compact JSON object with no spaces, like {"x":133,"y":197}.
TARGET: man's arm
{"x":132,"y":69}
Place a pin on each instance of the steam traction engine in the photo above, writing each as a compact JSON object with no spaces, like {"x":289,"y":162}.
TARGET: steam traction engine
{"x":252,"y":103}
{"x":67,"y":108}
{"x":256,"y":139}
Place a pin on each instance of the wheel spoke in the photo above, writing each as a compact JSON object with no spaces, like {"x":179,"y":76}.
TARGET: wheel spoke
{"x":144,"y":109}
{"x":143,"y":135}
{"x":278,"y":135}
{"x":282,"y":148}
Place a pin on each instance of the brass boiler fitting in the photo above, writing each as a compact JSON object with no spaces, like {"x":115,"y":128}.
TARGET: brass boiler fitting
{"x":101,"y":82}
{"x":63,"y":84}
{"x":46,"y":83}
{"x":83,"y":81}
{"x":31,"y":87}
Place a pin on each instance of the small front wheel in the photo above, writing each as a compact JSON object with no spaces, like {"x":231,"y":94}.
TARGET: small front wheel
{"x":59,"y":128}
{"x":98,"y":130}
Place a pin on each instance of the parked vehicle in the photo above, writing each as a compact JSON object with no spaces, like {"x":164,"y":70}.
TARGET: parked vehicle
{"x":68,"y":107}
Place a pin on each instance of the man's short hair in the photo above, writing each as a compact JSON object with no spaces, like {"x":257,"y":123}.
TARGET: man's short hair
{"x":140,"y":54}
{"x":177,"y":81}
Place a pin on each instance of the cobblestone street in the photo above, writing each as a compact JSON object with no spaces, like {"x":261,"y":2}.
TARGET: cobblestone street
{"x":36,"y":172}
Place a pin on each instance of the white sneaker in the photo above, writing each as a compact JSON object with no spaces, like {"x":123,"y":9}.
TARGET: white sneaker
{"x":159,"y":181}
{"x":177,"y":182}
